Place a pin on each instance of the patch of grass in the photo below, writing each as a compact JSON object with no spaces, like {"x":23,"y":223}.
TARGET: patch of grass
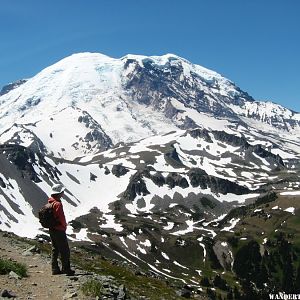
{"x":152,"y":288}
{"x":92,"y":288}
{"x":7,"y":266}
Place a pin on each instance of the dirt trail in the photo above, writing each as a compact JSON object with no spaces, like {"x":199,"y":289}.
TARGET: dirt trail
{"x":40,"y":283}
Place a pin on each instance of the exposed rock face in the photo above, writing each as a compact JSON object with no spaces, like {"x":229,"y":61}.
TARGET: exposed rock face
{"x":277,"y":116}
{"x":171,"y":111}
{"x":158,"y":179}
{"x":135,"y":187}
{"x":93,"y":177}
{"x":2,"y":183}
{"x":119,"y":170}
{"x":237,"y":141}
{"x":231,"y":139}
{"x":7,"y":88}
{"x":173,"y":158}
{"x":156,"y":85}
{"x":25,"y":159}
{"x":224,"y":254}
{"x":174,"y":179}
{"x":36,"y":144}
{"x":200,"y":178}
{"x":103,"y":141}
{"x":197,"y":178}
{"x":242,"y":142}
{"x":106,"y":172}
{"x":266,"y":154}
{"x":201,"y":133}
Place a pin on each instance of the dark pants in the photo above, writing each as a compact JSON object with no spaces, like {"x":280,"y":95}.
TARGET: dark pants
{"x":60,"y":247}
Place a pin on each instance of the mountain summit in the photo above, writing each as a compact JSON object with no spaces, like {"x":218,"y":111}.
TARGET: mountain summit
{"x":101,"y":101}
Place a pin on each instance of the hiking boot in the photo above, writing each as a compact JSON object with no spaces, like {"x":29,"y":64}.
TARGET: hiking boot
{"x":56,"y":272}
{"x":69,"y":272}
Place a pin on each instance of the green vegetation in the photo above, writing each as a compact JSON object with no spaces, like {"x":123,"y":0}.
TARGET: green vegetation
{"x":266,"y":249}
{"x":243,"y":211}
{"x":270,"y":197}
{"x":7,"y":266}
{"x":92,"y":288}
{"x":263,"y":267}
{"x":137,"y":285}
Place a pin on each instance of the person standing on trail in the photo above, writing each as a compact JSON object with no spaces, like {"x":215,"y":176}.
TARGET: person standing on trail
{"x":58,"y":235}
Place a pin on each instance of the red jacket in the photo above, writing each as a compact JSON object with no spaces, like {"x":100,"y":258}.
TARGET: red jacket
{"x":59,"y":214}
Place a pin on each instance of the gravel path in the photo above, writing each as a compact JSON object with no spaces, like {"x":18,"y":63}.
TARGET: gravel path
{"x":40,"y":283}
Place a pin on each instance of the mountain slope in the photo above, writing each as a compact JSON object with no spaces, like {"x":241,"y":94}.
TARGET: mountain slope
{"x":131,"y":98}
{"x":159,"y":157}
{"x":143,"y":177}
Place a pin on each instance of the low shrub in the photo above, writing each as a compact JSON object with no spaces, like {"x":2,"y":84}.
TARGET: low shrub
{"x":92,"y":288}
{"x":7,"y":266}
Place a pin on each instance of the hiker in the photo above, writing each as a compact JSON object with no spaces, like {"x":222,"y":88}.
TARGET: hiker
{"x":58,"y":235}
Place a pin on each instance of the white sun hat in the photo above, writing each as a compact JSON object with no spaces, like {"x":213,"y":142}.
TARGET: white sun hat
{"x":57,"y":189}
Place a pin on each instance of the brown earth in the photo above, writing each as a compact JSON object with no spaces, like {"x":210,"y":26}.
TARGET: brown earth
{"x":40,"y":283}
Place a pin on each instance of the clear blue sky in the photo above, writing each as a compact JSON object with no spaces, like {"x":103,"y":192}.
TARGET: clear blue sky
{"x":255,"y":43}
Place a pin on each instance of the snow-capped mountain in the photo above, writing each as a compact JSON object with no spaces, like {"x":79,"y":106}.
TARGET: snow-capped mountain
{"x":89,"y":103}
{"x":155,"y":152}
{"x":129,"y":99}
